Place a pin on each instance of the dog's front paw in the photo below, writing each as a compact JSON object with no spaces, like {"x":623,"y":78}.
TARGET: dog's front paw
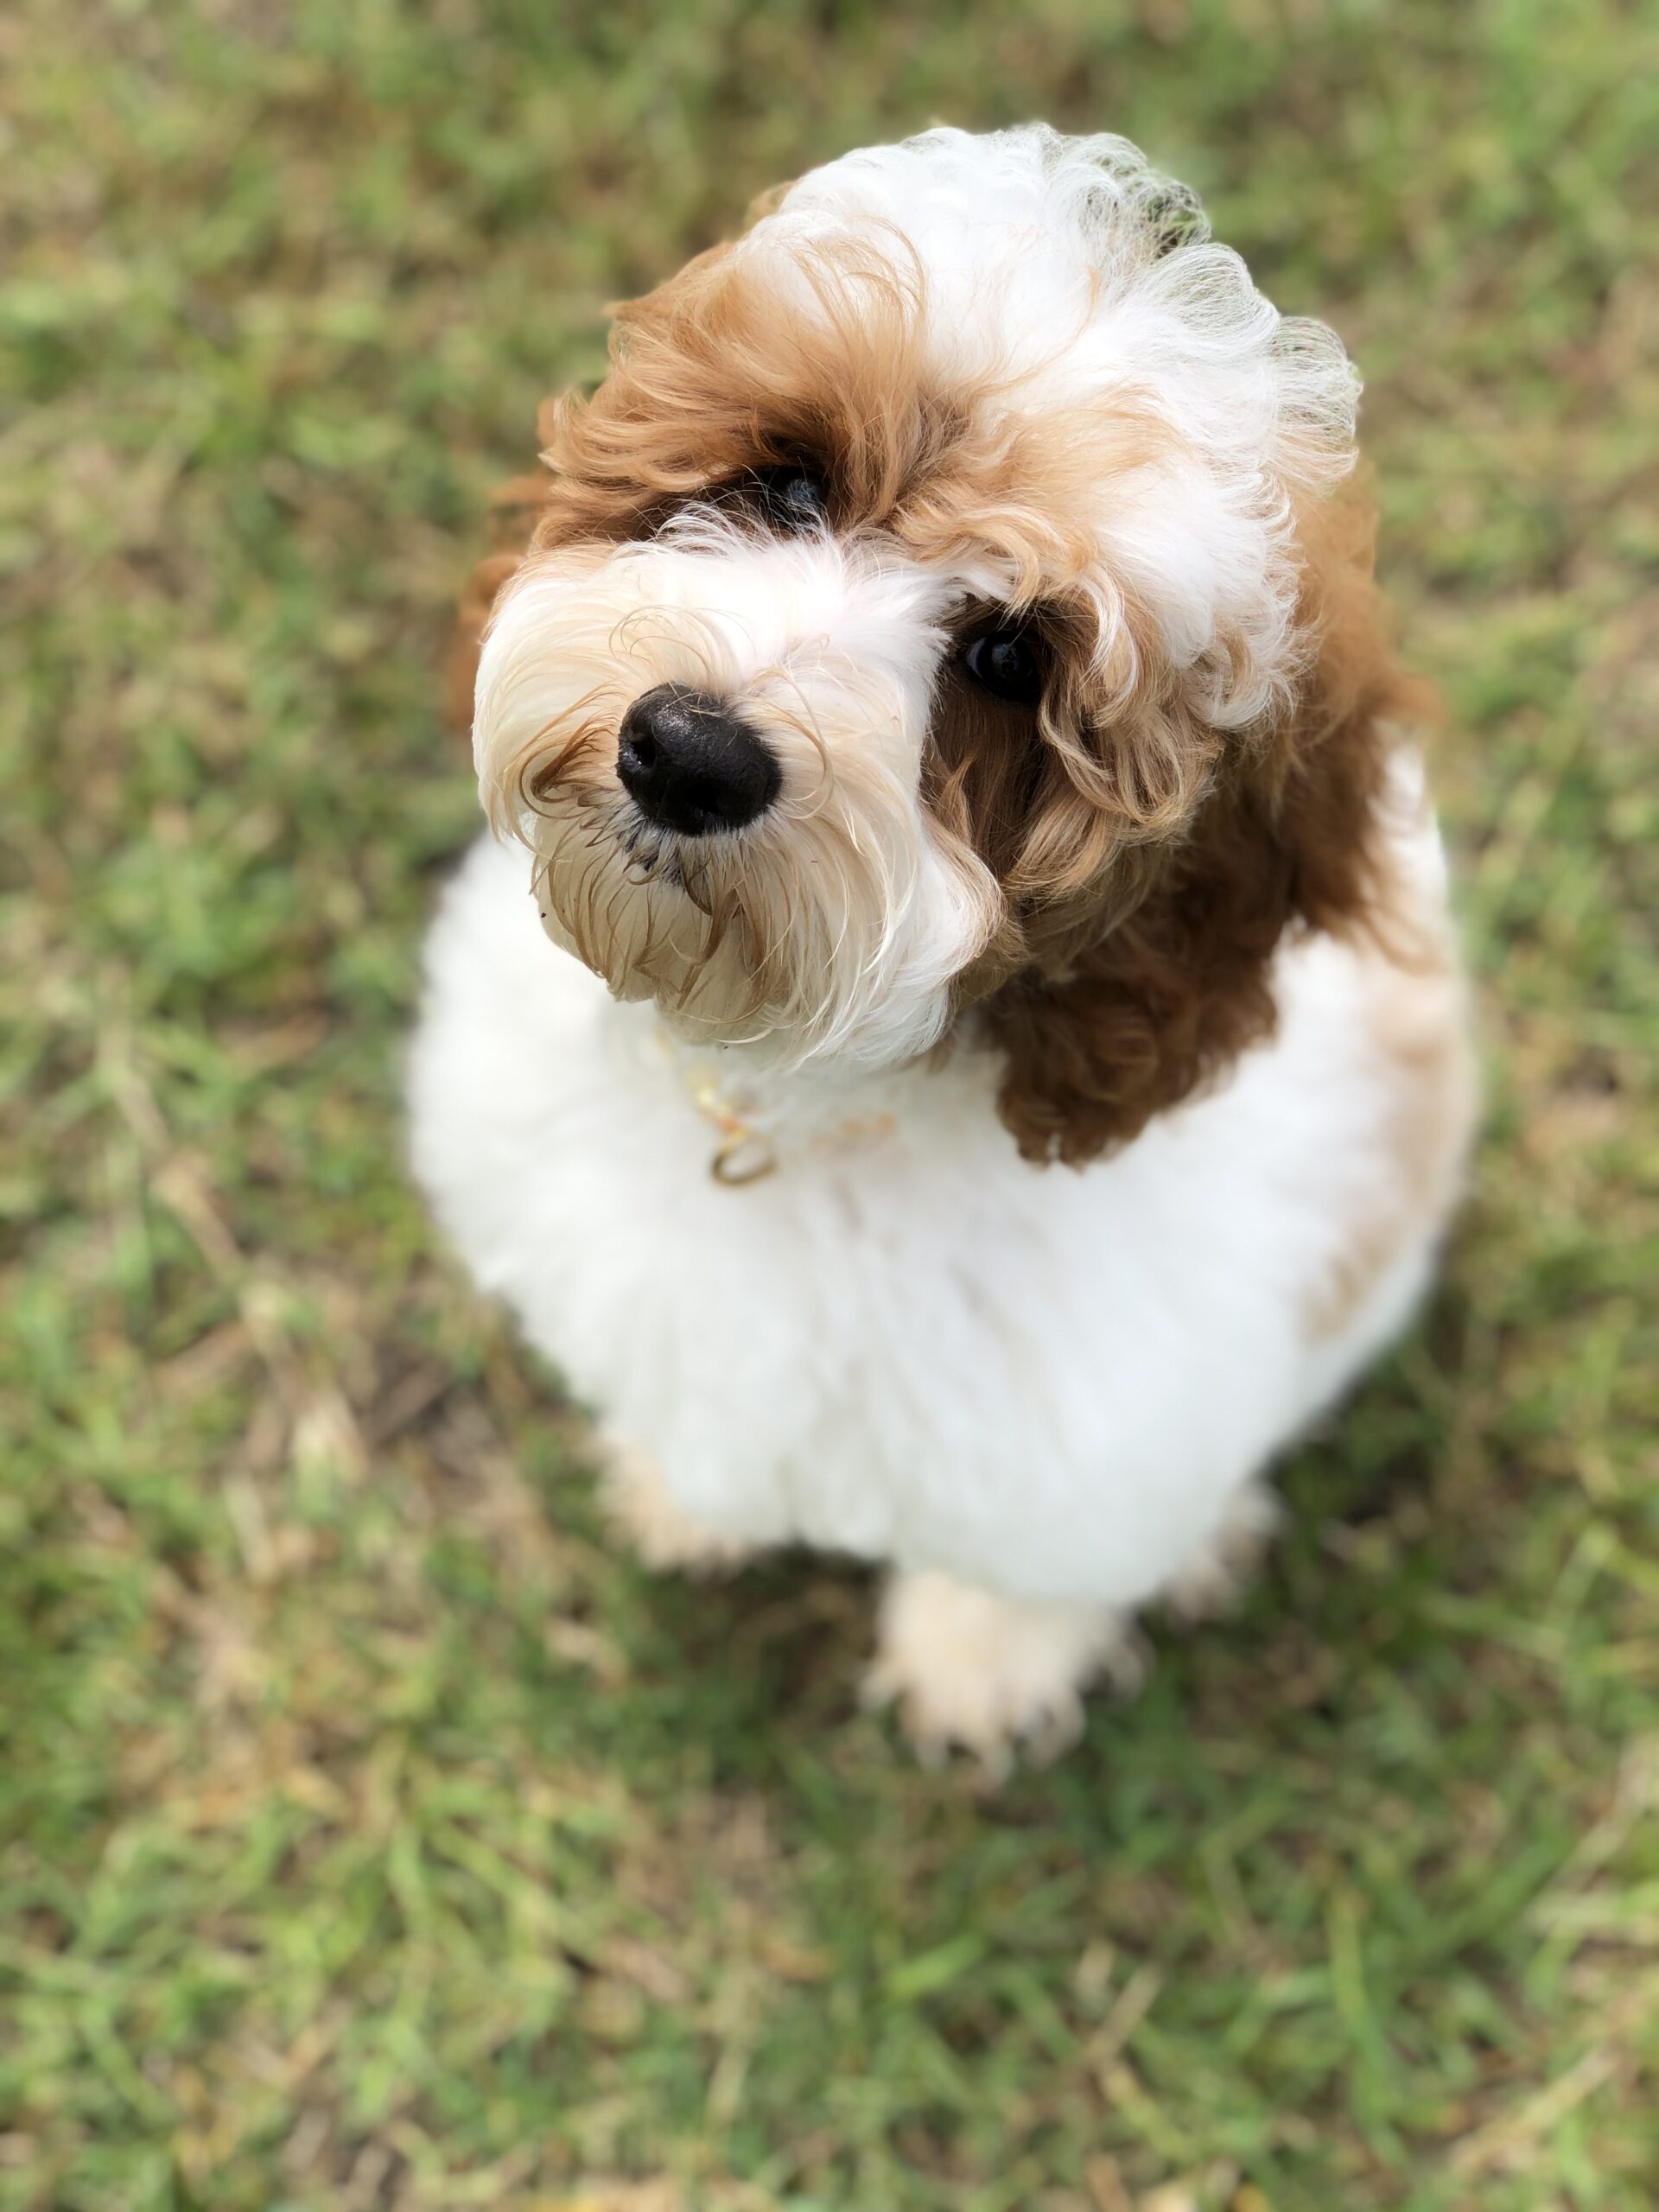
{"x":970,"y":1671}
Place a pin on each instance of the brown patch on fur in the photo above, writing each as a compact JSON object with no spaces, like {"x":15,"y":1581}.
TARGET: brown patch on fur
{"x":1120,"y":1016}
{"x":713,"y":375}
{"x":1061,"y":800}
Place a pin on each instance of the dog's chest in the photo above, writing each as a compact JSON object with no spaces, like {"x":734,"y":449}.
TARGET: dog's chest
{"x":902,"y":1340}
{"x":899,"y":1328}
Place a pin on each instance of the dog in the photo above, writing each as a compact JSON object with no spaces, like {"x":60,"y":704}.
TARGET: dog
{"x":954,"y":1044}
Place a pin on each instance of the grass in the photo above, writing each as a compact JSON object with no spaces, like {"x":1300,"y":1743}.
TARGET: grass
{"x":371,"y":1834}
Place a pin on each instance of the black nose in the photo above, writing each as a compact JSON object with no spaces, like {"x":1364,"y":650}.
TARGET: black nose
{"x":690,"y":765}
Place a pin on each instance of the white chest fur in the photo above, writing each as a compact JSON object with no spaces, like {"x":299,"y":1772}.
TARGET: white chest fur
{"x":905,"y":1342}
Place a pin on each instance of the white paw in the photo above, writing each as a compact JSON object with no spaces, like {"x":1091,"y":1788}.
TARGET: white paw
{"x":970,"y":1671}
{"x":666,"y":1538}
{"x":1213,"y":1580}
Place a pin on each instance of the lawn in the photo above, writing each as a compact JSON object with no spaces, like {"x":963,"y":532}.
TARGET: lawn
{"x":372,"y":1834}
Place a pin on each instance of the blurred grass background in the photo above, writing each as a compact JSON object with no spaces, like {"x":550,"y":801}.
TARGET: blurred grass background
{"x":371,"y":1835}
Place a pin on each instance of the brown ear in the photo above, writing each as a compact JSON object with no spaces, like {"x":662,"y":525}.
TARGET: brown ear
{"x":514,"y":508}
{"x":1287,"y":836}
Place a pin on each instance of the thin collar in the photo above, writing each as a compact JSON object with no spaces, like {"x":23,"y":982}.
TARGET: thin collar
{"x":747,"y":1150}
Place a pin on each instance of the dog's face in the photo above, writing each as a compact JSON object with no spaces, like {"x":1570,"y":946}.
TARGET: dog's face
{"x":932,"y":610}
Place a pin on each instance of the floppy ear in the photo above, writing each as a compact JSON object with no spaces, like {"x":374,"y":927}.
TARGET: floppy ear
{"x":1287,"y":835}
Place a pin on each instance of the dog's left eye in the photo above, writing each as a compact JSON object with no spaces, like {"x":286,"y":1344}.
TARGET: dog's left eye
{"x":1008,"y":663}
{"x":792,"y":497}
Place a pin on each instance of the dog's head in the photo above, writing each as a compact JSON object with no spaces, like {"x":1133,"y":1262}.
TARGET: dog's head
{"x":950,"y":606}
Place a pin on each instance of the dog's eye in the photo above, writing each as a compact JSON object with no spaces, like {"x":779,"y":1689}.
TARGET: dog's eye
{"x":1009,"y":664}
{"x":791,"y":496}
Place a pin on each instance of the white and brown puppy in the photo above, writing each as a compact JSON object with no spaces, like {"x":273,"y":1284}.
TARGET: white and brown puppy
{"x":971,"y":1059}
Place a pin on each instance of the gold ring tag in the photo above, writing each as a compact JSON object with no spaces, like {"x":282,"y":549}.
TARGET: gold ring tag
{"x":745,"y":1157}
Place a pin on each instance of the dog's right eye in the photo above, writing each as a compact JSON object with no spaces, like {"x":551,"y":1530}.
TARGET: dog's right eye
{"x":791,"y":496}
{"x":1008,"y":663}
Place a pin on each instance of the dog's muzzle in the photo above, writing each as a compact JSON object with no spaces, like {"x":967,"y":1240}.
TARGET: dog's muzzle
{"x":692,"y":766}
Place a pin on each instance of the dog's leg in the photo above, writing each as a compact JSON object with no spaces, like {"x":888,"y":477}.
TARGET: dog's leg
{"x":1212,"y":1581}
{"x":990,"y":1676}
{"x":667,"y":1539}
